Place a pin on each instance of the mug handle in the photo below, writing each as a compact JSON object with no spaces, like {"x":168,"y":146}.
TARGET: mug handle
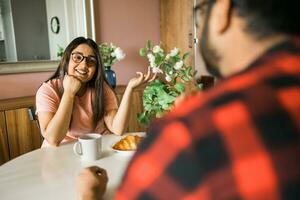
{"x":75,"y":148}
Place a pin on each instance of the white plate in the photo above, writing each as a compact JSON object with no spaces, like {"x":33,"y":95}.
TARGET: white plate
{"x":128,"y":153}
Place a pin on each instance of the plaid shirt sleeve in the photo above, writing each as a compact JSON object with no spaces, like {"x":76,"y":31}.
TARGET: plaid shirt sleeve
{"x":238,"y":141}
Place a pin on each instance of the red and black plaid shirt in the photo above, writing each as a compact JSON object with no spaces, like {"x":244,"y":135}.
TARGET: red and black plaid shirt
{"x":240,"y":140}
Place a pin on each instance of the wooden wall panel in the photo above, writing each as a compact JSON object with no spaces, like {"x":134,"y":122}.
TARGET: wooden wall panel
{"x":176,"y":26}
{"x":23,"y":134}
{"x":4,"y":149}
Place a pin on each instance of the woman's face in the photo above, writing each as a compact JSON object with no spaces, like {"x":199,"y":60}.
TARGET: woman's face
{"x":82,"y":63}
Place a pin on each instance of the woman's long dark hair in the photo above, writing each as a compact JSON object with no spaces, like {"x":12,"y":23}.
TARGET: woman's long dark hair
{"x":96,"y":82}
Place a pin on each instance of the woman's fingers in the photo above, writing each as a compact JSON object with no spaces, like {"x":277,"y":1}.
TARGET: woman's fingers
{"x":147,"y":76}
{"x":141,"y":76}
{"x":152,"y":79}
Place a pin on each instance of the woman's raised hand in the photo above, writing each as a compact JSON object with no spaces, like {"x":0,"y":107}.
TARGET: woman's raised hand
{"x":71,"y":84}
{"x":141,"y":79}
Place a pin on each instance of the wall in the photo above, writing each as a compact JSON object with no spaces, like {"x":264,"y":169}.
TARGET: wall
{"x":19,"y":85}
{"x":128,"y":24}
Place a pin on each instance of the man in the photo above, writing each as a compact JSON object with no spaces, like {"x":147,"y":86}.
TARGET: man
{"x":240,"y":140}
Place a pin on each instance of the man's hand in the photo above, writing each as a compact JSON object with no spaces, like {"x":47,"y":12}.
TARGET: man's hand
{"x":91,"y":183}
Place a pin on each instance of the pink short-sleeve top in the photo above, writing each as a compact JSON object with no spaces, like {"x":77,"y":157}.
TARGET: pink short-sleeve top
{"x":48,"y":98}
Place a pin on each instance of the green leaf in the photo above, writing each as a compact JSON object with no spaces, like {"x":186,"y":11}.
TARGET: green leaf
{"x":143,"y":52}
{"x":186,"y":55}
{"x":60,"y":51}
{"x":180,"y":87}
{"x":144,"y":118}
{"x":186,"y":79}
{"x":149,"y":44}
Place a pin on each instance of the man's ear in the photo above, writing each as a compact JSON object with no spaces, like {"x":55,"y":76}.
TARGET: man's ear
{"x":222,"y":11}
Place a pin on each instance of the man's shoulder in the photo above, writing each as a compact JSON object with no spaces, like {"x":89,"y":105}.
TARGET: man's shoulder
{"x":223,"y":93}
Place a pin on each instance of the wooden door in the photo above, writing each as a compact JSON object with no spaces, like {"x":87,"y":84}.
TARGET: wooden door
{"x":4,"y":149}
{"x":23,"y":134}
{"x":177,"y":27}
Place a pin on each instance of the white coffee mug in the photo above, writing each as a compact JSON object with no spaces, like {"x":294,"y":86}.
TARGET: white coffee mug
{"x":88,"y":147}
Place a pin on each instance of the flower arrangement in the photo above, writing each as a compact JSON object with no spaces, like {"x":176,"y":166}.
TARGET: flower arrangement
{"x":159,"y":96}
{"x":110,"y":54}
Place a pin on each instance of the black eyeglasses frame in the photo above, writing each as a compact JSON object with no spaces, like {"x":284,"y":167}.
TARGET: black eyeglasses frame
{"x":90,"y":60}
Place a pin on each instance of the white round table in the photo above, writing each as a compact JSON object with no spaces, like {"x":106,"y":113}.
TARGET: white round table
{"x":49,"y":173}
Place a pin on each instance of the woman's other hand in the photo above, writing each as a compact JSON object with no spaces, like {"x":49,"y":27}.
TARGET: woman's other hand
{"x":91,"y":183}
{"x":141,"y":79}
{"x":71,"y":84}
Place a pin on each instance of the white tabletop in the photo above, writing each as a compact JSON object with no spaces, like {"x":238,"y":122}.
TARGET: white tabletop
{"x":49,"y":173}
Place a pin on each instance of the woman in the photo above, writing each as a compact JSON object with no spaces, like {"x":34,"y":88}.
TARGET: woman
{"x":78,"y":100}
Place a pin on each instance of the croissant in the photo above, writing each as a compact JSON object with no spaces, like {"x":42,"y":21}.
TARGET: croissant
{"x":128,"y":143}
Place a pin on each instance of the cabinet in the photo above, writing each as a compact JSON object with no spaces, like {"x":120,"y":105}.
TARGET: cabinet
{"x":19,"y":134}
{"x":23,"y":134}
{"x":4,"y":153}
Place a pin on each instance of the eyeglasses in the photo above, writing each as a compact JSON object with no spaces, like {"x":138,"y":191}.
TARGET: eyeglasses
{"x":199,"y":12}
{"x":78,"y":58}
{"x":200,"y":9}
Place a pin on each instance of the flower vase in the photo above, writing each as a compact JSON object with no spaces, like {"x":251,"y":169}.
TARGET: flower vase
{"x":110,"y":76}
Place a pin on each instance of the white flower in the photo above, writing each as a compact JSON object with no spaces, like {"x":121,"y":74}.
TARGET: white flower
{"x":168,"y":78}
{"x":152,"y":64}
{"x":119,"y":53}
{"x":168,"y":57}
{"x":157,"y":49}
{"x":174,"y":52}
{"x":112,"y":45}
{"x":151,"y":59}
{"x":156,"y":70}
{"x":178,"y":65}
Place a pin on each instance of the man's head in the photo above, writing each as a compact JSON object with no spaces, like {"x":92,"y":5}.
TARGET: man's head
{"x":235,"y":32}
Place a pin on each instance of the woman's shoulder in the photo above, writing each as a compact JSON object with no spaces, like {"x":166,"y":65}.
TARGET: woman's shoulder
{"x":52,"y":86}
{"x":105,"y":85}
{"x":54,"y":83}
{"x":107,"y":89}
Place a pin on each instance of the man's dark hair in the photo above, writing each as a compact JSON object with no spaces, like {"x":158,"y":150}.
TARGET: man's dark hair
{"x":268,"y":17}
